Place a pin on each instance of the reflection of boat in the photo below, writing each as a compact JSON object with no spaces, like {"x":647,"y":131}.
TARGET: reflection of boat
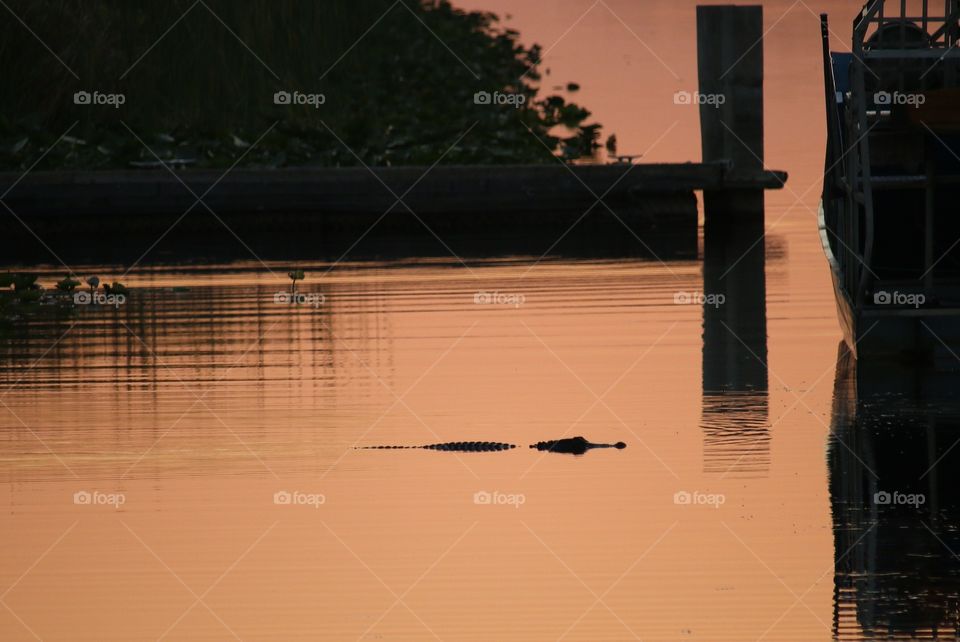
{"x":894,"y":472}
{"x":888,"y":216}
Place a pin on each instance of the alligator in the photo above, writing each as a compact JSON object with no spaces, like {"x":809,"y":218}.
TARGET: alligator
{"x":571,"y":446}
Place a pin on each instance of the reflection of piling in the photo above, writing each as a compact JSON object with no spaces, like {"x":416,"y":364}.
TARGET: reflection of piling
{"x":735,"y":404}
{"x":736,"y":434}
{"x":735,"y":333}
{"x":730,"y":63}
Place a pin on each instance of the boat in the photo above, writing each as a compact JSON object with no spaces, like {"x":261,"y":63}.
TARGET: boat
{"x":889,"y":221}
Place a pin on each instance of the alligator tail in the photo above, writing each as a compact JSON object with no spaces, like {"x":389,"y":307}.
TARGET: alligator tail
{"x":385,"y":447}
{"x":455,"y":446}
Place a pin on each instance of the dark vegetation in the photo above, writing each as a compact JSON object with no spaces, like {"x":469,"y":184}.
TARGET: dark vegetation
{"x":204,"y":92}
{"x":23,"y":297}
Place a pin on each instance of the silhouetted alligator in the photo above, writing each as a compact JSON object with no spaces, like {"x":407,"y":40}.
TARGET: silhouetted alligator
{"x":571,"y":446}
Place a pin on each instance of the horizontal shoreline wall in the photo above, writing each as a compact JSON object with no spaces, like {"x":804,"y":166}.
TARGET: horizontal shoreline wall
{"x":321,"y":213}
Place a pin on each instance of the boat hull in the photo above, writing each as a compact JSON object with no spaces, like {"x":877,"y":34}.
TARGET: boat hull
{"x":845,"y":310}
{"x":915,"y":336}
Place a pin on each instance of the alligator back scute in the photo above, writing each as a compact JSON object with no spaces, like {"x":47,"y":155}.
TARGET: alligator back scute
{"x":471,"y":446}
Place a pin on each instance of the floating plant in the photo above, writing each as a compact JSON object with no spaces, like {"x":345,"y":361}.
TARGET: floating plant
{"x":67,"y":284}
{"x":295,"y":275}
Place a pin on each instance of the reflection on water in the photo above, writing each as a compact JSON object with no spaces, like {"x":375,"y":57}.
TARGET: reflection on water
{"x":736,"y":435}
{"x":398,"y":358}
{"x":226,"y":422}
{"x":894,"y":471}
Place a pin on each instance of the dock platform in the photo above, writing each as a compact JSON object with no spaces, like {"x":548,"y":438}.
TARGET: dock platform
{"x":491,"y":210}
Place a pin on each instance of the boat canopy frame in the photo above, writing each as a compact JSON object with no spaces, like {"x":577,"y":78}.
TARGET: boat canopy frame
{"x":888,"y":38}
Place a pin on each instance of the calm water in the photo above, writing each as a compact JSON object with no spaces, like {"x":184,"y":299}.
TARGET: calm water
{"x":187,"y":418}
{"x":198,"y":406}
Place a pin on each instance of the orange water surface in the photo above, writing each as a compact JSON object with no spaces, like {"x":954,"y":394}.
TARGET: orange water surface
{"x":209,"y":431}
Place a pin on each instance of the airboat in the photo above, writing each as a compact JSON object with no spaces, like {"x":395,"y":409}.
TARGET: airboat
{"x":889,"y":218}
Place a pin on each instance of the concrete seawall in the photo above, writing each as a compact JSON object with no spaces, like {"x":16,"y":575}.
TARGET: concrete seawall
{"x":495,"y":210}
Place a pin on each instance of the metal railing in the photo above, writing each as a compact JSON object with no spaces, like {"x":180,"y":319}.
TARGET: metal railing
{"x":878,"y":28}
{"x":908,"y":45}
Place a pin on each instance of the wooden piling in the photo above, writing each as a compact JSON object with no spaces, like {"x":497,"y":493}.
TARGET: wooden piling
{"x":730,"y":61}
{"x":730,"y":58}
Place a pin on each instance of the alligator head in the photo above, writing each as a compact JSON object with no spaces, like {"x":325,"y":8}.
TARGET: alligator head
{"x":573,"y":445}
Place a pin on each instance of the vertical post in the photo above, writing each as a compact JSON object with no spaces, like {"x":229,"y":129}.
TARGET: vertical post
{"x":730,"y":64}
{"x":730,"y":58}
